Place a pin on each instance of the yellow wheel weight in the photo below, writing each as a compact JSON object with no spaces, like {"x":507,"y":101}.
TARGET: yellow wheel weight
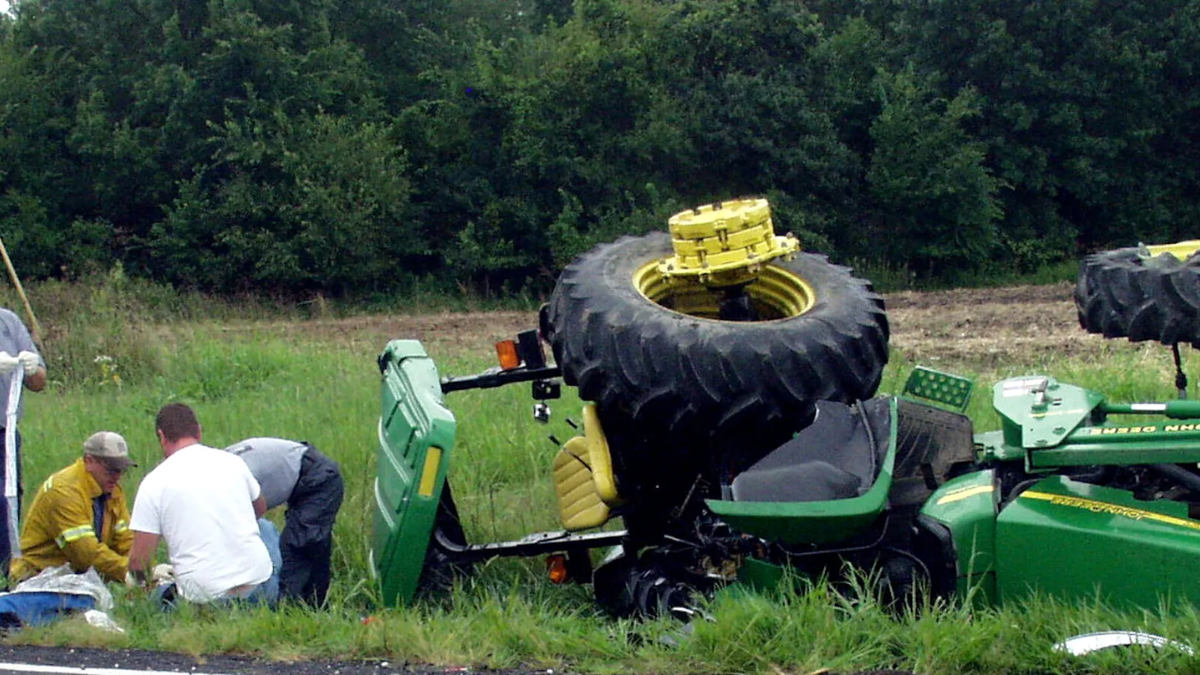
{"x":725,"y":243}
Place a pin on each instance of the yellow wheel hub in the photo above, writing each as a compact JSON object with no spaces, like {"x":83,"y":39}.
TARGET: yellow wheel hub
{"x":722,"y":248}
{"x":1181,"y":250}
{"x":724,"y":244}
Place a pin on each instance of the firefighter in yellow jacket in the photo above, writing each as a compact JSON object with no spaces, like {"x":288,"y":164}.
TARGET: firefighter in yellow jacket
{"x":79,"y":515}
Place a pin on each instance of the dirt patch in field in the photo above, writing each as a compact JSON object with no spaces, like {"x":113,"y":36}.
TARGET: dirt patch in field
{"x":981,"y":330}
{"x":447,"y":332}
{"x":985,"y":328}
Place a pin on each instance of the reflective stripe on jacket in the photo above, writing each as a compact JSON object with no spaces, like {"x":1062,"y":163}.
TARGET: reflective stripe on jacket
{"x":60,"y":528}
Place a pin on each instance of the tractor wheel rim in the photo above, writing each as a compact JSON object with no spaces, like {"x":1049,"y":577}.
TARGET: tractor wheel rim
{"x":776,"y":293}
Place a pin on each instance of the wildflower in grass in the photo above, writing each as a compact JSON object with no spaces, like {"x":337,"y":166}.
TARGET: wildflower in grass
{"x":108,"y":371}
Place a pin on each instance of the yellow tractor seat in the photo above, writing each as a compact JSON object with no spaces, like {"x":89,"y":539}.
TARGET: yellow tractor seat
{"x":583,"y":477}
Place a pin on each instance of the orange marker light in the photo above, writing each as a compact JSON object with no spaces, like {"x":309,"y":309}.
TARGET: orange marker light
{"x":506,"y":351}
{"x":556,"y":568}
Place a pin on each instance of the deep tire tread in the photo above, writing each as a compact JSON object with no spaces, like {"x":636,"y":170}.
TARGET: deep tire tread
{"x":1119,"y":294}
{"x":677,"y":388}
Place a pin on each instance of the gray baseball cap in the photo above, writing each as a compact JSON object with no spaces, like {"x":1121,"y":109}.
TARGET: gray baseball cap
{"x":109,"y":447}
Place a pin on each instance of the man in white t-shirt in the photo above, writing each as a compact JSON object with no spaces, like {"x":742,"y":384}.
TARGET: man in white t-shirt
{"x":206,"y":505}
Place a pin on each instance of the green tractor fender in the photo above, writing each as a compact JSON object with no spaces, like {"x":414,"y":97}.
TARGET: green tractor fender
{"x":416,"y":436}
{"x":967,"y":507}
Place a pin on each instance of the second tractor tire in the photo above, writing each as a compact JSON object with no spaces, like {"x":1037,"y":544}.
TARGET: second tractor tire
{"x":1124,"y":293}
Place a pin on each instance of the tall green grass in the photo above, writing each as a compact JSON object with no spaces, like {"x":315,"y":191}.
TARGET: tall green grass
{"x":258,"y":381}
{"x":111,"y":328}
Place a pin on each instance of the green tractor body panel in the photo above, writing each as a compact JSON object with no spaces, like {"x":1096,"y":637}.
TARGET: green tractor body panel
{"x":761,"y":575}
{"x":1077,"y":540}
{"x":1053,"y":425}
{"x":1124,"y":444}
{"x":967,"y":505}
{"x":814,"y":522}
{"x":416,"y":436}
{"x":1038,"y":412}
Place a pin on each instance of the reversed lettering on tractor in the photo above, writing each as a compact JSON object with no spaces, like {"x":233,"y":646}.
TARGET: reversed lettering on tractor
{"x":1110,"y":509}
{"x":1109,"y":431}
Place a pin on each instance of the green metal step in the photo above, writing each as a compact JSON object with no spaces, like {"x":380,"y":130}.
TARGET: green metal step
{"x":949,"y":390}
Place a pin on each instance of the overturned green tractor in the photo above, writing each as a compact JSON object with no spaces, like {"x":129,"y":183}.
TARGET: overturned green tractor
{"x":729,"y":425}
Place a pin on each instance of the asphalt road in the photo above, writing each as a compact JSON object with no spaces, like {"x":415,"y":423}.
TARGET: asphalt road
{"x":81,"y":661}
{"x":14,"y":659}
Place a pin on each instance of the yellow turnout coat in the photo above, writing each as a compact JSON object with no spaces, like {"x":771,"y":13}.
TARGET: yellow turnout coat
{"x":60,"y":528}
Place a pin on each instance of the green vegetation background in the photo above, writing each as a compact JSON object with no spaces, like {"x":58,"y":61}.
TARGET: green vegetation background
{"x":363,"y":147}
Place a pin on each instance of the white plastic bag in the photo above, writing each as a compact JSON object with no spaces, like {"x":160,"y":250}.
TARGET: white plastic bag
{"x":101,"y":620}
{"x":62,"y":579}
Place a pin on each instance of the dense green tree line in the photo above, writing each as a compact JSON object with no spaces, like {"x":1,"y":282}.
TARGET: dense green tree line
{"x":356,"y":146}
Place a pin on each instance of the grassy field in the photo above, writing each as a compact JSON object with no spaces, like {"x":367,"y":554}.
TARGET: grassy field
{"x":303,"y":377}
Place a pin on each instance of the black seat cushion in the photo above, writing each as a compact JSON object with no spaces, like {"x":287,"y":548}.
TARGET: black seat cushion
{"x":835,"y":457}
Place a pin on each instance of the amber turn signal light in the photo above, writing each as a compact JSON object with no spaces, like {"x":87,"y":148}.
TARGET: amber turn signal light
{"x":556,"y":568}
{"x":506,"y":351}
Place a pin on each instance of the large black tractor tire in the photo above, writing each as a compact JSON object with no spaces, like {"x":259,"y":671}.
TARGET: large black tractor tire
{"x":678,"y":392}
{"x":1124,"y":294}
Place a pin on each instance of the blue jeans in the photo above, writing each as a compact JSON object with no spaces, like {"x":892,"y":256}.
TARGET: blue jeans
{"x":266,"y":593}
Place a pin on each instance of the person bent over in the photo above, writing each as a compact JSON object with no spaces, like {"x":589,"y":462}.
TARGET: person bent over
{"x":79,"y":515}
{"x":297,"y":474}
{"x":206,"y":505}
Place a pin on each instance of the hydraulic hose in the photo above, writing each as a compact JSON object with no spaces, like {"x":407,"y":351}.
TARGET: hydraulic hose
{"x":1180,"y":474}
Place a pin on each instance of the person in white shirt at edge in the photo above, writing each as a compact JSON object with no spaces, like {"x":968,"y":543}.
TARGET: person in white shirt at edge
{"x":206,"y":505}
{"x":18,"y":356}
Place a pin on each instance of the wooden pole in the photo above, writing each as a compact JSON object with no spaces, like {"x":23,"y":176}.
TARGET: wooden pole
{"x":34,"y":328}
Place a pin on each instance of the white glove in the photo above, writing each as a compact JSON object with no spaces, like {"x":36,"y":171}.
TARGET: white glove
{"x":30,"y":362}
{"x":163,"y":572}
{"x":8,"y":363}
